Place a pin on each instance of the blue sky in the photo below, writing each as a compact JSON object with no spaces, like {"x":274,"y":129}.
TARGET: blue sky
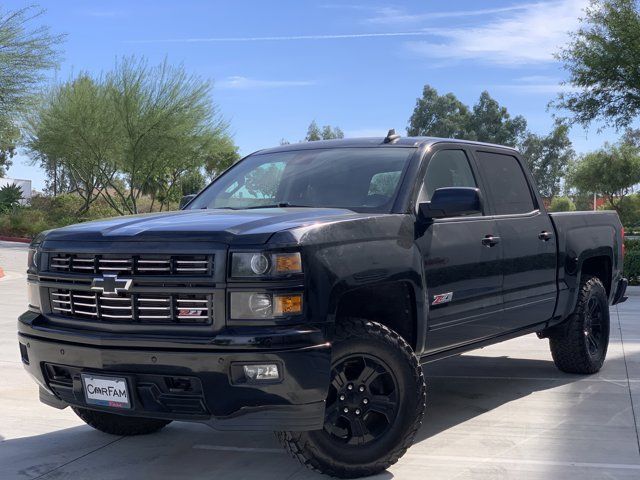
{"x":359,"y":65}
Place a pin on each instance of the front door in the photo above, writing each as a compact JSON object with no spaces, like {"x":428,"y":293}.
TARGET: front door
{"x":461,"y":266}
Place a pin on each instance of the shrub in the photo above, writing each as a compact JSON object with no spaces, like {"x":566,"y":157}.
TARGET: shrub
{"x":46,"y":213}
{"x":629,"y":210}
{"x":23,"y":222}
{"x":10,"y":196}
{"x":562,"y":204}
{"x":632,"y":261}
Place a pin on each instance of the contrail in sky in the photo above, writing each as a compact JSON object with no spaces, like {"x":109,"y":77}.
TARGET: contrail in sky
{"x":284,"y":38}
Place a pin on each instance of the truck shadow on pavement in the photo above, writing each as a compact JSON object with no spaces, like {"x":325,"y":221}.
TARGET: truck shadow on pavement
{"x":459,"y":389}
{"x":464,"y":387}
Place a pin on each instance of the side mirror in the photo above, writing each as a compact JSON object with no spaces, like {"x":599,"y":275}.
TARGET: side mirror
{"x":451,"y":202}
{"x":184,"y":201}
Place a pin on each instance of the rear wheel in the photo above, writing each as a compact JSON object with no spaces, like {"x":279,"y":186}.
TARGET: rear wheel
{"x":375,"y":404}
{"x":580,"y":345}
{"x":119,"y":424}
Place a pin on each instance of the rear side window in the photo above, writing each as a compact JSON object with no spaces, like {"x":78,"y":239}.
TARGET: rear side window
{"x":447,"y":168}
{"x":506,"y":183}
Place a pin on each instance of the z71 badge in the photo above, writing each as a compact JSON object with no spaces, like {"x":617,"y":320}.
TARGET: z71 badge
{"x":442,"y":298}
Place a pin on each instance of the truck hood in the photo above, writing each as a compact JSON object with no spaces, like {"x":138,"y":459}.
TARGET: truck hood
{"x":225,"y":226}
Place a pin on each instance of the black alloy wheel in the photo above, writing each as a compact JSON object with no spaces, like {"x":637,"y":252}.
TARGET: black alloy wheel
{"x":593,"y":327}
{"x":362,"y":403}
{"x":580,"y":343}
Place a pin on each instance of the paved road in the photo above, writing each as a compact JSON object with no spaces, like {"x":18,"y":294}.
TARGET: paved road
{"x":503,"y":412}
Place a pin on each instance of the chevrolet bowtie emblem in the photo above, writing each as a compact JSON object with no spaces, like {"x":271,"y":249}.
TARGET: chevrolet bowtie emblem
{"x":111,"y":284}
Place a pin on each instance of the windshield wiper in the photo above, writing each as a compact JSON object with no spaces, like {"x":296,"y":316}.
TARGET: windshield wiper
{"x":279,"y":205}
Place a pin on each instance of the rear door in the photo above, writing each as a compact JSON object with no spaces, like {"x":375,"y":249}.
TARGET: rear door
{"x":462,"y":269}
{"x":527,"y":236}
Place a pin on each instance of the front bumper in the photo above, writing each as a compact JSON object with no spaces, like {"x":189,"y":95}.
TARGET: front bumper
{"x":178,"y":379}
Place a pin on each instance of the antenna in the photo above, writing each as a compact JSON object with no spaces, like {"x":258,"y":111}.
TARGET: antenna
{"x":392,"y":136}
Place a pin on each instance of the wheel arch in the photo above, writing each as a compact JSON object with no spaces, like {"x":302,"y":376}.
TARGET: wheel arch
{"x":598,"y":263}
{"x":598,"y":266}
{"x":395,"y":304}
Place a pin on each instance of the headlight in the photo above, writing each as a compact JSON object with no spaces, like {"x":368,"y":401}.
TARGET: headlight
{"x":264,"y":306}
{"x":260,"y":265}
{"x":33,"y":258}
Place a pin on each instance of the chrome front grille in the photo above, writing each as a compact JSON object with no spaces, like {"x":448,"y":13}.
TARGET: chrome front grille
{"x":147,"y":265}
{"x":145,"y":308}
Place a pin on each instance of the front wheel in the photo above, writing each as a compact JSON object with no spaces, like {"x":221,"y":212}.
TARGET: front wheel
{"x":375,"y":404}
{"x":580,"y":345}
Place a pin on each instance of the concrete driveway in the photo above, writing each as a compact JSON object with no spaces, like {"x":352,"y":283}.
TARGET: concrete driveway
{"x":503,"y":412}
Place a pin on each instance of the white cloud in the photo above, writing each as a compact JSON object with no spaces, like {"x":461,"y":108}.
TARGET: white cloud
{"x":392,"y":15}
{"x":245,"y":83}
{"x":530,"y":35}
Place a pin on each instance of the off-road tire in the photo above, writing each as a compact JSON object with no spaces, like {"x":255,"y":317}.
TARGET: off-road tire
{"x":119,"y":424}
{"x":321,"y":452}
{"x":568,"y":342}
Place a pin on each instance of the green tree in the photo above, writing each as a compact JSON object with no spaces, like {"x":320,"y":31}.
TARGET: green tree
{"x":136,"y":131}
{"x":26,"y":52}
{"x":632,"y":137}
{"x":191,"y":183}
{"x":166,"y":121}
{"x":490,"y":122}
{"x":602,"y":60}
{"x":548,"y":158}
{"x":9,"y":138}
{"x":629,"y":210}
{"x":445,"y":116}
{"x":610,"y":172}
{"x":582,"y":201}
{"x":562,"y":204}
{"x":439,"y":116}
{"x":74,"y":131}
{"x":223,"y":154}
{"x":327,"y":132}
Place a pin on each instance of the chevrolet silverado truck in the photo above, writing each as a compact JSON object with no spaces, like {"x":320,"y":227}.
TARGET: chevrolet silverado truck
{"x":302,"y":290}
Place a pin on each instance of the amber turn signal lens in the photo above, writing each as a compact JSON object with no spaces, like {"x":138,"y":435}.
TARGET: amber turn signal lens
{"x":287,"y":305}
{"x":288,"y":263}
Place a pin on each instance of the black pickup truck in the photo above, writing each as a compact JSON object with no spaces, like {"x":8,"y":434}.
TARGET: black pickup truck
{"x":302,"y":290}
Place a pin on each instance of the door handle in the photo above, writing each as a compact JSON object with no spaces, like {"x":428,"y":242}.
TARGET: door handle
{"x":490,"y":241}
{"x":545,"y":236}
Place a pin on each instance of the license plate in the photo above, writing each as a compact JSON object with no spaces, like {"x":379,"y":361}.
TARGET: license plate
{"x":106,"y":391}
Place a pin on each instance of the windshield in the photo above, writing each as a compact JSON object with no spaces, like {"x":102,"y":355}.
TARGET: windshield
{"x":359,"y":179}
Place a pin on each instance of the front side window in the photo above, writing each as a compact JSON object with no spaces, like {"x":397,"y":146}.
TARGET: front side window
{"x":447,"y":168}
{"x":360,"y":179}
{"x":506,"y":183}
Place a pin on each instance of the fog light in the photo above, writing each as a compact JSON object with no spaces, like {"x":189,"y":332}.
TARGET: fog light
{"x":266,"y":372}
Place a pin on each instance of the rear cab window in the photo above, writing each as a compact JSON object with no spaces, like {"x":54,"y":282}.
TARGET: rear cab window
{"x":506,"y":185}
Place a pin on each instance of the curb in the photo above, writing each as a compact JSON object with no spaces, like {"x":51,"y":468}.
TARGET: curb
{"x":15,"y":239}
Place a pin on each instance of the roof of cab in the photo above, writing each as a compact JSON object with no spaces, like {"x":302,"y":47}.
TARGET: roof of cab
{"x":402,"y":142}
